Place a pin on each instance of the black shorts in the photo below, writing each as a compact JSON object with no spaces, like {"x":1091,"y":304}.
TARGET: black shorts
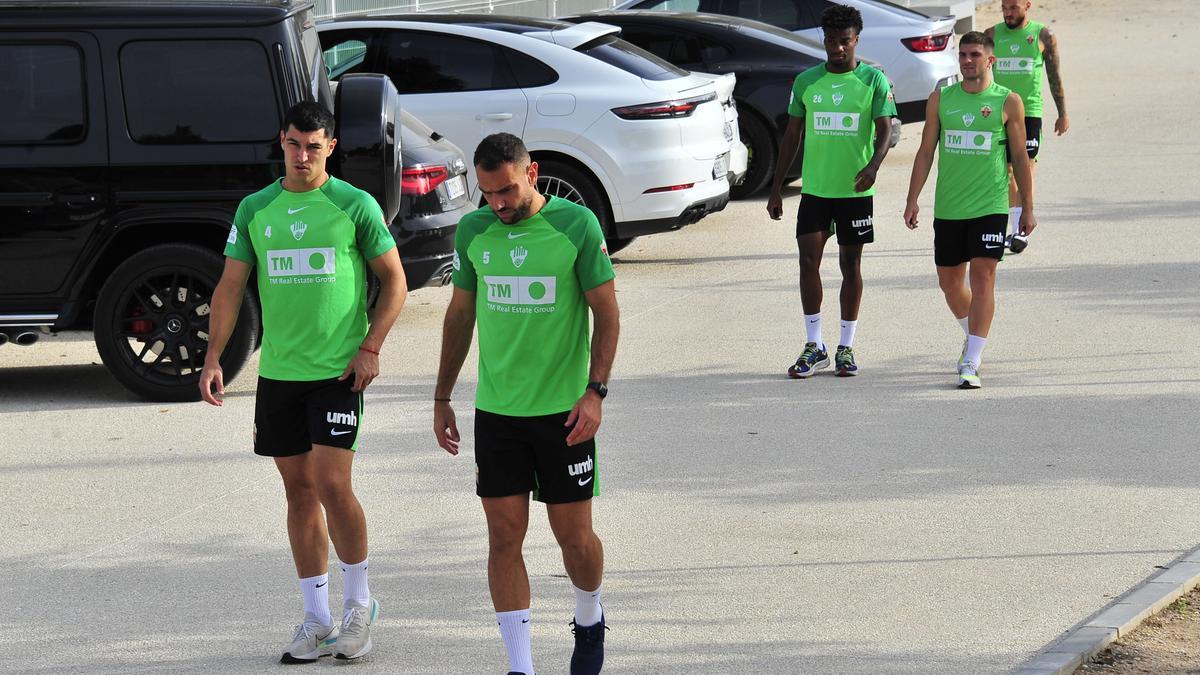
{"x":291,"y":417}
{"x":851,"y":218}
{"x":1033,"y":138}
{"x":958,"y":241}
{"x":519,"y":455}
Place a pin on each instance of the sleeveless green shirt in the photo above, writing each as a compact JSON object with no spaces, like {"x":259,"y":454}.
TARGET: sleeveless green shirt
{"x":972,"y":167}
{"x":1019,"y":63}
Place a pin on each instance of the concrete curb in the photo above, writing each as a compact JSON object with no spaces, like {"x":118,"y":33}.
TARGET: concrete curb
{"x":1118,"y":619}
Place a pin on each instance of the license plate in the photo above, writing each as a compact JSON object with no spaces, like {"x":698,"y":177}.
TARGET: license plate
{"x":721,"y":166}
{"x":456,"y":187}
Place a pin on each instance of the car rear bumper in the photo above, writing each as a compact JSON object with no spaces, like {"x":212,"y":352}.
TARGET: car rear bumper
{"x":691,"y":214}
{"x":427,"y":246}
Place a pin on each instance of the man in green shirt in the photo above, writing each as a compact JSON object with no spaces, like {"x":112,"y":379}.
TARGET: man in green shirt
{"x":527,"y":269}
{"x":1023,"y":47}
{"x":970,"y":125}
{"x":841,"y":109}
{"x":311,"y":237}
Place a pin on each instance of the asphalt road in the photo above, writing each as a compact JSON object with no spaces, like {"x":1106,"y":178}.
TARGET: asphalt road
{"x":885,"y":523}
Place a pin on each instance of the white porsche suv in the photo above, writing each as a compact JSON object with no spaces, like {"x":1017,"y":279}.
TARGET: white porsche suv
{"x":641,"y":142}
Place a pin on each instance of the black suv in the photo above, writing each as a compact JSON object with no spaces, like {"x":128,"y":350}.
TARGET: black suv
{"x":131,"y":131}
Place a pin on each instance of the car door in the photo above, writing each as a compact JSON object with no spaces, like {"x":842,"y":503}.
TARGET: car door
{"x":462,"y":86}
{"x":54,"y":187}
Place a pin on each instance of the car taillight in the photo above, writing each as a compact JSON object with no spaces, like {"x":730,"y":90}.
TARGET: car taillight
{"x":927,"y":43}
{"x":421,"y":180}
{"x":663,"y":109}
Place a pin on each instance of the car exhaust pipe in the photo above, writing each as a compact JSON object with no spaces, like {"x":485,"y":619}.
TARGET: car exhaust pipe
{"x":26,"y":338}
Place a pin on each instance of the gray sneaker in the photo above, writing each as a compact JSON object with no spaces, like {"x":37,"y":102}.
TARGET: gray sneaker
{"x":968,"y":376}
{"x":311,"y":641}
{"x":354,"y":639}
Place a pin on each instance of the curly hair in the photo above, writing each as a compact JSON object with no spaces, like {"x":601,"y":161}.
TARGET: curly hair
{"x":840,"y":17}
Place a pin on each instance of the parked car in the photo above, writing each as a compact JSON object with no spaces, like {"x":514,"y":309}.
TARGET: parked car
{"x":916,"y":51}
{"x":764,"y":58}
{"x":132,"y":130}
{"x":637,"y":140}
{"x":433,"y":197}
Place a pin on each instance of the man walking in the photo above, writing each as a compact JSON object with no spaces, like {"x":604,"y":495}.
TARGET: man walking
{"x":527,"y":268}
{"x":1023,"y":47}
{"x":970,"y":124}
{"x":841,"y":109}
{"x":309,"y":235}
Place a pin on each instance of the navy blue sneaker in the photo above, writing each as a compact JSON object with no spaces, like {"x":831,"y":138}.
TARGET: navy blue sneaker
{"x":588,"y":657}
{"x":810,"y":361}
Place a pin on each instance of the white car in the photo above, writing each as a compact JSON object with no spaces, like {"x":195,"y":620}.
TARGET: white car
{"x":916,"y":51}
{"x":642,"y":143}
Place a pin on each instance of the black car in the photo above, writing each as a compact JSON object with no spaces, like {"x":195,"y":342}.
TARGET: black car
{"x":433,"y":198}
{"x":765,"y":59}
{"x":131,"y":131}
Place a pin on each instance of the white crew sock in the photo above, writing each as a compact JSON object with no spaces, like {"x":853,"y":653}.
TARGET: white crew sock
{"x":354,"y":585}
{"x":975,"y":346}
{"x":963,"y":322}
{"x":848,"y":328}
{"x":315,"y":591}
{"x":1014,"y":220}
{"x":812,"y":327}
{"x":514,"y":629}
{"x":587,"y":607}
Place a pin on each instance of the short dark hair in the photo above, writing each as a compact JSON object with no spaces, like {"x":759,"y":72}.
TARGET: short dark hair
{"x":976,"y":38}
{"x":309,"y":116}
{"x":501,"y":148}
{"x":841,"y":17}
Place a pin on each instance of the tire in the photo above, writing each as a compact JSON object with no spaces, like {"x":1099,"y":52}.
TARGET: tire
{"x":760,"y":145}
{"x":153,"y":341}
{"x":563,"y":180}
{"x":368,"y":150}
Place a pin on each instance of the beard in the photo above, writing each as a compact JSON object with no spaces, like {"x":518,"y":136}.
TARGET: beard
{"x":518,"y":213}
{"x":1015,"y":22}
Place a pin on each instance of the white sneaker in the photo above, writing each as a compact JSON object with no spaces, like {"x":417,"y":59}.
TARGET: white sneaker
{"x":968,"y":376}
{"x":311,"y":641}
{"x":354,"y":639}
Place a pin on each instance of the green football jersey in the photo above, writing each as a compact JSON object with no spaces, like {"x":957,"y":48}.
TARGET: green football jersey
{"x":310,"y":250}
{"x":972,"y":166}
{"x":1019,"y":63}
{"x":839,"y":111}
{"x":529,"y":279}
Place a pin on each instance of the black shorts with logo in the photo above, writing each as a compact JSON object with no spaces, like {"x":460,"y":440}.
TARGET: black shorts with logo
{"x":851,"y":218}
{"x":291,"y":417}
{"x":1033,"y":139}
{"x":519,"y":455}
{"x":958,"y":241}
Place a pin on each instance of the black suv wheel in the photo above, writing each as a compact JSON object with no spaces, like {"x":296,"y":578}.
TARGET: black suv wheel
{"x":151,"y":323}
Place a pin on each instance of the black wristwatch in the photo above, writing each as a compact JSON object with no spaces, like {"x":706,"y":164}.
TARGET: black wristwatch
{"x":599,"y":388}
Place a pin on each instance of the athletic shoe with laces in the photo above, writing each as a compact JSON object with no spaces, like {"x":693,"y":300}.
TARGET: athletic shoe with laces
{"x":968,"y":376}
{"x":354,"y":639}
{"x":1016,"y":242}
{"x":962,"y":356}
{"x":811,"y":360}
{"x":588,"y":657}
{"x":311,"y":641}
{"x":843,"y":362}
